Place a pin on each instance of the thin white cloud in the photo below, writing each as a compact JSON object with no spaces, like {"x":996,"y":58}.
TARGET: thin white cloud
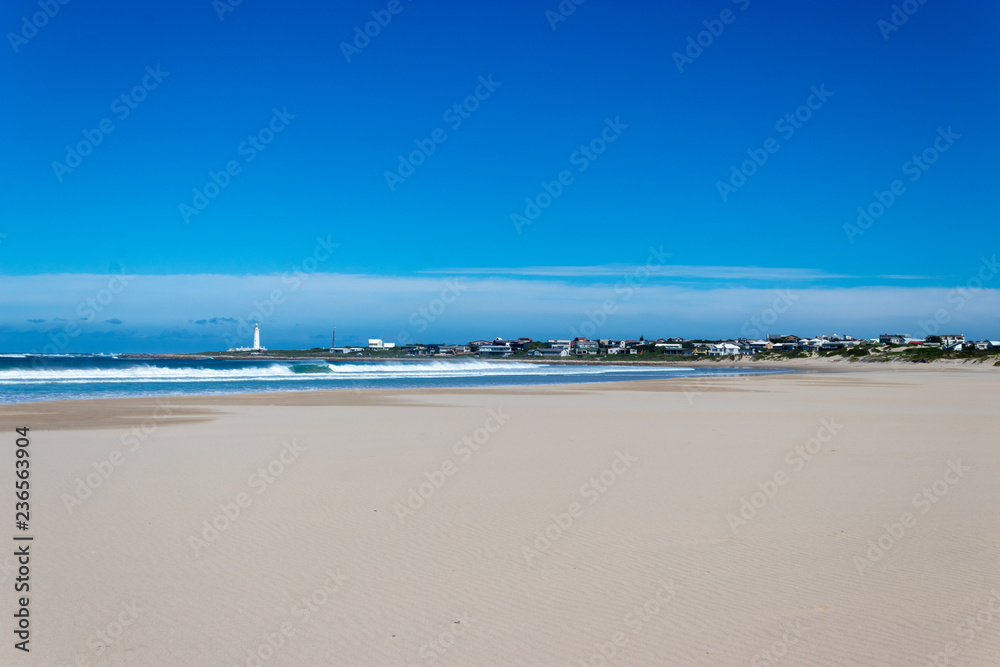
{"x":665,"y":270}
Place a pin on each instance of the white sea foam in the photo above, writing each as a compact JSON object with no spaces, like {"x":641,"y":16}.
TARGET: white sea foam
{"x":311,"y":371}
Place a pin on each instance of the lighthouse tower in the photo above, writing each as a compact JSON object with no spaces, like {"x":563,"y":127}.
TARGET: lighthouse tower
{"x":256,"y":337}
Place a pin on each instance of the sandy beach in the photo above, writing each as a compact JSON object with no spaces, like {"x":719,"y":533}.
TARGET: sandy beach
{"x":812,"y":518}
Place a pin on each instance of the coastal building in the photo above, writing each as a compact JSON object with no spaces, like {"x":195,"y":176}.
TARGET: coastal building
{"x":453,"y":349}
{"x":670,"y":348}
{"x":560,"y":343}
{"x":948,"y":340}
{"x":811,"y":344}
{"x":834,"y":337}
{"x":841,"y":344}
{"x":515,"y":344}
{"x":549,"y":352}
{"x":494,"y":350}
{"x":894,"y":339}
{"x":379,"y":344}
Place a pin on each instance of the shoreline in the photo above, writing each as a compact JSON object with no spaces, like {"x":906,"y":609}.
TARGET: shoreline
{"x":357,"y":395}
{"x":813,"y":365}
{"x":389,"y":390}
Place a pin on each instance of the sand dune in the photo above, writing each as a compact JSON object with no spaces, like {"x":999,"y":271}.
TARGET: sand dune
{"x":742,"y":520}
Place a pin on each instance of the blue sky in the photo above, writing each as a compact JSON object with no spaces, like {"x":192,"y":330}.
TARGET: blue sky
{"x":277,"y":73}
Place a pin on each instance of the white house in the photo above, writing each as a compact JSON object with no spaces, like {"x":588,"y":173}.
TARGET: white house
{"x":549,"y":352}
{"x":378,"y":344}
{"x":495,"y":349}
{"x":720,"y":349}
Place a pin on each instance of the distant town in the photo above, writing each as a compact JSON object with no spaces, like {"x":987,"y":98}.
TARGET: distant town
{"x":772,"y":346}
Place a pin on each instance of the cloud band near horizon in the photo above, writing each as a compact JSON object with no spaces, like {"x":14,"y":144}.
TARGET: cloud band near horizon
{"x":199,"y":312}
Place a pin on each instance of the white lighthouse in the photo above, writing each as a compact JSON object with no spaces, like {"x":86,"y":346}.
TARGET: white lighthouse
{"x":256,"y":337}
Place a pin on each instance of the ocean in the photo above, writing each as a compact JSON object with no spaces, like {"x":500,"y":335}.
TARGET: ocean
{"x":28,"y":378}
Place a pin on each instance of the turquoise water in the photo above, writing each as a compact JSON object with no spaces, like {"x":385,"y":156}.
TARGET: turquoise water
{"x":26,"y":378}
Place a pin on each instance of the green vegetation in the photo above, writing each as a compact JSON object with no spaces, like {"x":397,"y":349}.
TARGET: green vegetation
{"x":773,"y":355}
{"x":883,"y":353}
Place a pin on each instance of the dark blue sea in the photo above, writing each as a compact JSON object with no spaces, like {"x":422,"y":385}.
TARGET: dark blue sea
{"x":27,"y":378}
